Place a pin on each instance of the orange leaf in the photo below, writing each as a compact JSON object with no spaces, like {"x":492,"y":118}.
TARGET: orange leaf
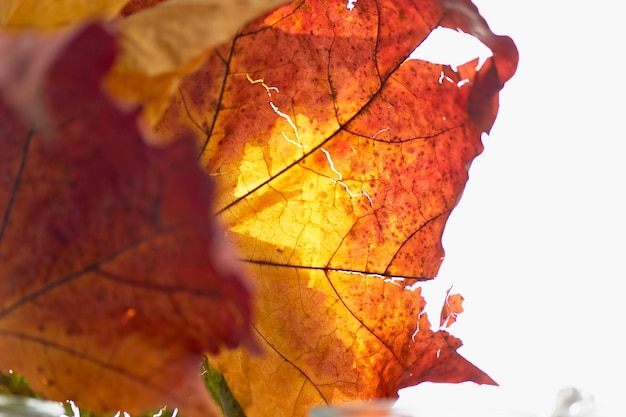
{"x":113,"y":277}
{"x":337,"y":162}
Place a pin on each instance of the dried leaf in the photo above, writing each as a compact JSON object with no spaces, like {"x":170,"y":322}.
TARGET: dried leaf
{"x":113,"y":277}
{"x":155,"y":42}
{"x":46,"y":14}
{"x":337,"y":162}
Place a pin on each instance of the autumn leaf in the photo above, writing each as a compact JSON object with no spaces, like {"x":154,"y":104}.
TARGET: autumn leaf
{"x":114,"y":277}
{"x":19,"y":14}
{"x":337,"y":161}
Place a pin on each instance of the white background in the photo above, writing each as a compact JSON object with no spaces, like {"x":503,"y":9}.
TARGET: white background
{"x":536,"y":245}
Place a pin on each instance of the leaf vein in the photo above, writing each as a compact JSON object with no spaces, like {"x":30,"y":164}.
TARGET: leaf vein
{"x":16,"y":185}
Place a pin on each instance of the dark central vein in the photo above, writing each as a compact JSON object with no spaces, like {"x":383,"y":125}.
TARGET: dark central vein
{"x":16,"y":184}
{"x":382,"y":275}
{"x":93,"y":267}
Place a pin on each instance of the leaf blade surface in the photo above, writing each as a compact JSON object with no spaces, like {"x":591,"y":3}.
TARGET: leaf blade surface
{"x":114,"y":276}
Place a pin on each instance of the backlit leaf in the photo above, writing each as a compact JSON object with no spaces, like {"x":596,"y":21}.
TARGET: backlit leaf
{"x":337,"y":162}
{"x":114,"y":279}
{"x":46,"y":14}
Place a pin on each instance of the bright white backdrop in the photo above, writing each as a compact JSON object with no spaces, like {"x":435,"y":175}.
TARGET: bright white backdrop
{"x":536,"y":245}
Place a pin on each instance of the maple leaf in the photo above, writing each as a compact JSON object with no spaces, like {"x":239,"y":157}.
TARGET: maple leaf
{"x":114,"y":277}
{"x":337,"y":162}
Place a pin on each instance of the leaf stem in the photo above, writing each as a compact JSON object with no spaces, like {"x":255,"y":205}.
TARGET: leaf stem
{"x":220,"y":392}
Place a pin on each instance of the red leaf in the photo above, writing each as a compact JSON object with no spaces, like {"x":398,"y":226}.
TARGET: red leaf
{"x":114,"y":277}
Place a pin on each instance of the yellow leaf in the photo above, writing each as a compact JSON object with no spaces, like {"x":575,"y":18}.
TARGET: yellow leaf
{"x":47,"y":14}
{"x":161,"y":44}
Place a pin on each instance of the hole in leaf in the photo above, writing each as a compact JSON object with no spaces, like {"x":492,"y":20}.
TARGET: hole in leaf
{"x":451,"y":47}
